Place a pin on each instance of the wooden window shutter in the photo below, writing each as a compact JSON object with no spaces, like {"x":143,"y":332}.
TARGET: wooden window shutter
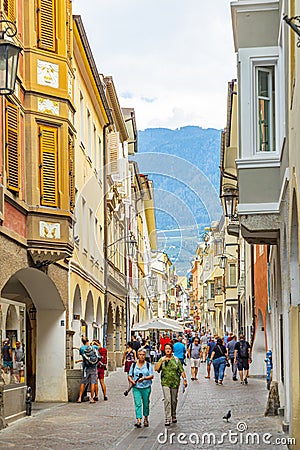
{"x":48,"y":166}
{"x":46,"y":25}
{"x":9,"y":9}
{"x":113,"y":147}
{"x":69,"y":26}
{"x":71,"y":172}
{"x":12,"y":147}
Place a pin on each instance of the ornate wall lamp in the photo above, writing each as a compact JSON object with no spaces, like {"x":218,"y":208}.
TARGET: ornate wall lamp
{"x":296,"y":28}
{"x":9,"y":57}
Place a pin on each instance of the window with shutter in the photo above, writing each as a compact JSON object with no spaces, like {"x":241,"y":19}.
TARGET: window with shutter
{"x":113,"y":147}
{"x":71,"y":173}
{"x":46,"y":29}
{"x":48,"y":166}
{"x":9,"y":9}
{"x":12,"y":147}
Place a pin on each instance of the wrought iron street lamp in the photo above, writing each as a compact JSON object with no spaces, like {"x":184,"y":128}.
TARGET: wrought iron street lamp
{"x":9,"y":56}
{"x":222,"y":261}
{"x":32,"y":312}
{"x":230,"y":197}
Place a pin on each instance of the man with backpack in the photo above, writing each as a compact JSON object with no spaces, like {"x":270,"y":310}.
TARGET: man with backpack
{"x":242,"y":356}
{"x":90,"y":359}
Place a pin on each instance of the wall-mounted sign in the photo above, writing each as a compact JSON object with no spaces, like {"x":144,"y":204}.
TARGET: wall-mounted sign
{"x":49,"y":230}
{"x":47,"y":73}
{"x":48,"y":106}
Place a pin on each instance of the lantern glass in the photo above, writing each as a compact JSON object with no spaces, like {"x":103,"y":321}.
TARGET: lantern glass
{"x":230,"y":203}
{"x":131,"y":244}
{"x":9,"y":56}
{"x":222,"y":261}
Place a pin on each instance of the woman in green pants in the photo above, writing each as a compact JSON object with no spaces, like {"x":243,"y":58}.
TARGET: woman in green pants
{"x":141,"y":375}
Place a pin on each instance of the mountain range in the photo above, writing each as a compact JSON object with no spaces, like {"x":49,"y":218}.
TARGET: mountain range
{"x":184,"y":166}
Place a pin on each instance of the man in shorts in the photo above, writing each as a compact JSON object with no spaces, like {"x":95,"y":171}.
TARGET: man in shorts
{"x":89,"y":372}
{"x":194,"y":352}
{"x":242,"y":357}
{"x":19,"y":358}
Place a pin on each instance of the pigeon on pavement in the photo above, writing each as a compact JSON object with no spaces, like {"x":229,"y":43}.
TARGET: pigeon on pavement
{"x":227,"y":416}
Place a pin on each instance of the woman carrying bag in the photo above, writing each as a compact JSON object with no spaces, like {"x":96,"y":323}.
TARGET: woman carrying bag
{"x":219,"y":360}
{"x":141,"y":375}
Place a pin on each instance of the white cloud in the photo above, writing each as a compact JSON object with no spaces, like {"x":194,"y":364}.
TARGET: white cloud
{"x":170,"y":60}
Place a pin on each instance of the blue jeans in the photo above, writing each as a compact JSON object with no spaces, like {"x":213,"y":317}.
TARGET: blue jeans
{"x":141,"y":401}
{"x":219,"y":367}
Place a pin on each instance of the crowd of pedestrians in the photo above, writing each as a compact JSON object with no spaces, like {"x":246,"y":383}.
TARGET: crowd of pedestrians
{"x":169,"y":353}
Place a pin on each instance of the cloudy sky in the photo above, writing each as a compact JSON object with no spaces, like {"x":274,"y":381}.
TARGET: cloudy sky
{"x":170,"y":59}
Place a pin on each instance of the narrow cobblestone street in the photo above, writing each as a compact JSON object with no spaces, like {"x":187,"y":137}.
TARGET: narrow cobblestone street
{"x":109,"y":425}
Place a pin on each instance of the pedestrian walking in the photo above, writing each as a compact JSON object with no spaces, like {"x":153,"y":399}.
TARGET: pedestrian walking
{"x":179,"y":350}
{"x":203,"y":343}
{"x":129,"y":357}
{"x":194,"y":353}
{"x":171,"y":371}
{"x":7,"y":357}
{"x":19,"y":358}
{"x":101,"y":368}
{"x":165,"y":339}
{"x":141,"y":375}
{"x":135,"y":343}
{"x":90,"y":358}
{"x":146,"y":347}
{"x":242,"y":355}
{"x":230,"y":350}
{"x":210,"y":346}
{"x":218,"y":358}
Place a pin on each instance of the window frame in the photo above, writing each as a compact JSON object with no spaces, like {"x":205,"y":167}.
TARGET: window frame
{"x":270,"y":70}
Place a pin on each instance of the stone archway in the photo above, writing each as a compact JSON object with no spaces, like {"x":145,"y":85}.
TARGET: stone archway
{"x":229,"y":320}
{"x":89,"y":316}
{"x":12,"y":325}
{"x":76,"y":317}
{"x":110,"y":338}
{"x":110,"y":329}
{"x":220,"y":324}
{"x":258,"y":366}
{"x":46,"y":338}
{"x":118,"y":337}
{"x":99,"y":320}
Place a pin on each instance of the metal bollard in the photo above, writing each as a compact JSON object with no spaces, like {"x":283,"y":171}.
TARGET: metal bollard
{"x":28,"y":401}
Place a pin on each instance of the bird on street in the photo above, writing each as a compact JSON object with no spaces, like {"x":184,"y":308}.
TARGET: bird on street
{"x":227,"y":416}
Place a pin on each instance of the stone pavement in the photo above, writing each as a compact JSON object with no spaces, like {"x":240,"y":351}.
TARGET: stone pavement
{"x":109,"y":425}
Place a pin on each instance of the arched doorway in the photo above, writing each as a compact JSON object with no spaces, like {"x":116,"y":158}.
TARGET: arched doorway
{"x":221,"y":324}
{"x":76,"y":318}
{"x":258,"y":366}
{"x":46,"y":340}
{"x":228,"y":321}
{"x":99,"y":321}
{"x":110,"y":338}
{"x":89,"y":316}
